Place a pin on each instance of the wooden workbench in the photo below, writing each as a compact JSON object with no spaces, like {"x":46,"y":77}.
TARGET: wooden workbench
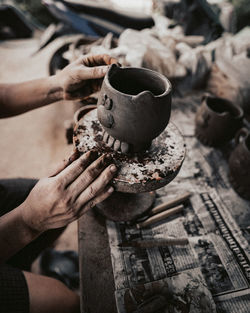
{"x":96,"y":275}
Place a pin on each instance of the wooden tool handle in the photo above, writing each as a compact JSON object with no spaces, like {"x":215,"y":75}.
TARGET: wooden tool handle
{"x":160,"y":216}
{"x":172,"y":203}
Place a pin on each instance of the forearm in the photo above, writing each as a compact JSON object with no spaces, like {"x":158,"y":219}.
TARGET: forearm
{"x":14,"y":234}
{"x":22,"y":97}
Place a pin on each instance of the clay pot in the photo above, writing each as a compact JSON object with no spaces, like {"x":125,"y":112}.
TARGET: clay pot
{"x":133,"y":107}
{"x":217,"y":120}
{"x":82,"y":111}
{"x":239,"y":164}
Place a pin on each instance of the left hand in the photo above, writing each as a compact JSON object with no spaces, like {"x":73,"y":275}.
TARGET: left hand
{"x":75,"y":187}
{"x":84,"y":76}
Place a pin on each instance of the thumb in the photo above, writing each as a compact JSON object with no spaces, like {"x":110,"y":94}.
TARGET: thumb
{"x":92,"y":72}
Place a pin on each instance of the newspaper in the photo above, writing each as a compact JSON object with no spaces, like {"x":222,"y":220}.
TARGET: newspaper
{"x":211,"y":273}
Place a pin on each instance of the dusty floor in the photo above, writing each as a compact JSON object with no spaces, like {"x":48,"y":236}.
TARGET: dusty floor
{"x":33,"y":143}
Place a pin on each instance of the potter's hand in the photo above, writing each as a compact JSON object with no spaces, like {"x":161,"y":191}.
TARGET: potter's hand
{"x":84,"y":76}
{"x":76,"y":81}
{"x":58,"y":200}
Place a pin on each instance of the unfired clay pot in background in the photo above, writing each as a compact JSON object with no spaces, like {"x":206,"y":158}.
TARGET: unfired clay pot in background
{"x":82,"y":111}
{"x":133,"y":107}
{"x":217,"y":120}
{"x":239,"y":164}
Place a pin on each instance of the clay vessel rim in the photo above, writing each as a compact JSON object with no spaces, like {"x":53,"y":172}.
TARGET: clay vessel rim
{"x":168,"y":86}
{"x":225,"y":113}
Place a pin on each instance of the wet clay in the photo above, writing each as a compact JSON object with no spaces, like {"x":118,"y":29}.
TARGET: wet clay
{"x":134,"y":107}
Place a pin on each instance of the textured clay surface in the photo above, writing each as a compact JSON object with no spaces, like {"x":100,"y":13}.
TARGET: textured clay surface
{"x":139,"y":172}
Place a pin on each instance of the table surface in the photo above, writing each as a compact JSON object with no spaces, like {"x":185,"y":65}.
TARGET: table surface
{"x":96,"y":276}
{"x":97,"y":279}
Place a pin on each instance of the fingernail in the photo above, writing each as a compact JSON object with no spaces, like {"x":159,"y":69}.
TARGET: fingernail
{"x":111,"y":189}
{"x":107,"y":156}
{"x":93,"y":154}
{"x":113,"y":168}
{"x":74,"y":156}
{"x":107,"y":159}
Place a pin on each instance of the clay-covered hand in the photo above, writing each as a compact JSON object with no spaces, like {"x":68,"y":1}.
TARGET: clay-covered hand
{"x":84,"y":76}
{"x":60,"y":199}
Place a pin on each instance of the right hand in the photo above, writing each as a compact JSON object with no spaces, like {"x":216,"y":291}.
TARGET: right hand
{"x":58,"y":200}
{"x":84,"y":76}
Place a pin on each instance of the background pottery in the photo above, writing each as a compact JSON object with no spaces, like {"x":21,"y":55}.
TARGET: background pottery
{"x":239,"y":164}
{"x":82,"y":111}
{"x":133,"y":107}
{"x":217,"y":120}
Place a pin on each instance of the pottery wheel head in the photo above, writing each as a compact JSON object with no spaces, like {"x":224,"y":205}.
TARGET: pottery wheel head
{"x":138,"y":172}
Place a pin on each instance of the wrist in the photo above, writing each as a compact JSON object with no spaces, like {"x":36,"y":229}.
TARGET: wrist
{"x":55,"y":89}
{"x":14,"y":234}
{"x":27,"y":221}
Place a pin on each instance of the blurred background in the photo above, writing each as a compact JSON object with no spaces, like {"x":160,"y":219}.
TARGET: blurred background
{"x":200,"y":45}
{"x":40,"y":13}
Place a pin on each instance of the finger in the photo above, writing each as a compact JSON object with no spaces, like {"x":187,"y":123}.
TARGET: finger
{"x":96,"y":60}
{"x":71,"y":172}
{"x":104,"y":194}
{"x":65,"y":163}
{"x":89,"y":175}
{"x":97,"y":185}
{"x":85,"y":73}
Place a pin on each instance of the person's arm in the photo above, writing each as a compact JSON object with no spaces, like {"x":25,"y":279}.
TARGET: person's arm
{"x":56,"y":201}
{"x":14,"y":233}
{"x":76,"y":81}
{"x":22,"y":97}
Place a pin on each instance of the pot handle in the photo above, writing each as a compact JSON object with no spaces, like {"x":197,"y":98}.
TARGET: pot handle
{"x":243,"y":132}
